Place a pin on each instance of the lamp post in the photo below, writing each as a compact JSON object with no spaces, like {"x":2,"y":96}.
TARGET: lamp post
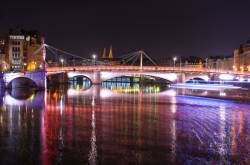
{"x":180,"y":63}
{"x":62,"y":60}
{"x":206,"y":64}
{"x":174,"y":59}
{"x":94,"y":56}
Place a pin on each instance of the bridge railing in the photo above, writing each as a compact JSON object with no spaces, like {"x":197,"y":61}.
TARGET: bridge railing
{"x":138,"y":68}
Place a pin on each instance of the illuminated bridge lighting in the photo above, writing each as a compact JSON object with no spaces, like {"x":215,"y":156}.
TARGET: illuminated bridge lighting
{"x":204,"y":86}
{"x":226,"y":77}
{"x":137,"y":68}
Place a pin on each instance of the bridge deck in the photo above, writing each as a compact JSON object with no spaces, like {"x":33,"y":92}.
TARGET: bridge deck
{"x":138,"y":68}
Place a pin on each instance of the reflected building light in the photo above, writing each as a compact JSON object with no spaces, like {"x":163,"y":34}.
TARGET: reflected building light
{"x":9,"y":100}
{"x":73,"y":92}
{"x":204,"y":86}
{"x":32,"y":113}
{"x":173,"y":110}
{"x":93,"y":101}
{"x":171,"y":92}
{"x":10,"y":120}
{"x":233,"y":135}
{"x":205,"y":93}
{"x":93,"y":150}
{"x":1,"y":119}
{"x":32,"y":97}
{"x":61,"y":105}
{"x":223,"y":93}
{"x":45,"y":99}
{"x":19,"y":117}
{"x":61,"y":139}
{"x":222,"y":133}
{"x":105,"y":93}
{"x":173,"y":144}
{"x":173,"y":104}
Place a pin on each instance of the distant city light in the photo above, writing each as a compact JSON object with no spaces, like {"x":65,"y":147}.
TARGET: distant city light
{"x":223,"y":93}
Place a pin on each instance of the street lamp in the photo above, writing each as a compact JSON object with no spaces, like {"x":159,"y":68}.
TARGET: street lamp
{"x":174,"y":59}
{"x":62,"y":60}
{"x":180,"y":64}
{"x":94,"y":56}
{"x":207,"y":63}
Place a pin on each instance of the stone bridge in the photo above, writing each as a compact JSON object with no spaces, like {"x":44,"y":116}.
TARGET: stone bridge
{"x":24,"y":79}
{"x":97,"y":77}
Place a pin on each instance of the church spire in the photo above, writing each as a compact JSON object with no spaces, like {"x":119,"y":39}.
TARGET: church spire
{"x":110,"y":52}
{"x":104,"y":53}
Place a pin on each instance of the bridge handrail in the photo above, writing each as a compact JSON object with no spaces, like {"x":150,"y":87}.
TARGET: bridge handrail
{"x":144,"y":68}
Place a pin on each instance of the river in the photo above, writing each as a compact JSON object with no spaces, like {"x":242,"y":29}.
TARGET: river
{"x":123,"y":124}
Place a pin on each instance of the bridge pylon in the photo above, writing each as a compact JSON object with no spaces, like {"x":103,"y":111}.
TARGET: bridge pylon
{"x":141,"y":59}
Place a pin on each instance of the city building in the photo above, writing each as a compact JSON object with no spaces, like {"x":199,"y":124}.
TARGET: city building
{"x":110,"y":59}
{"x":241,"y":61}
{"x":15,"y":53}
{"x":192,"y":62}
{"x":23,"y":50}
{"x":219,"y":62}
{"x":3,"y":64}
{"x":181,"y":61}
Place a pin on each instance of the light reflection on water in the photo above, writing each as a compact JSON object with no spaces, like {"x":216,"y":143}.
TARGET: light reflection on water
{"x":83,"y":124}
{"x":128,"y":87}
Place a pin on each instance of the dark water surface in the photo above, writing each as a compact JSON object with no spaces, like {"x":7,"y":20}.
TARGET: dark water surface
{"x":122,"y":124}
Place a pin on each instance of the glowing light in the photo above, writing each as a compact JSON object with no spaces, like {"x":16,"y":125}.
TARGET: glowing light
{"x":248,"y":68}
{"x":170,"y":92}
{"x":105,"y":93}
{"x":223,"y":94}
{"x":204,"y":86}
{"x":62,"y":60}
{"x":94,"y":56}
{"x":235,"y":68}
{"x":32,"y":97}
{"x":241,"y":79}
{"x":241,"y":68}
{"x":174,"y":59}
{"x":126,"y":90}
{"x":31,"y":66}
{"x":9,"y":100}
{"x":73,"y":92}
{"x":226,"y":77}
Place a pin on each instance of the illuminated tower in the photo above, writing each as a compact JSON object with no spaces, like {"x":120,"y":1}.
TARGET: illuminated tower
{"x":110,"y":52}
{"x":104,"y":53}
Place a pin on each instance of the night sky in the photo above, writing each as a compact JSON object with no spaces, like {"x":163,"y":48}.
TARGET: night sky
{"x":161,"y":28}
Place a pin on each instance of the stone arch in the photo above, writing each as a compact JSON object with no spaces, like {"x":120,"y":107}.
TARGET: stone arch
{"x":88,"y":75}
{"x":79,"y":76}
{"x":21,"y":82}
{"x":128,"y":76}
{"x":170,"y":77}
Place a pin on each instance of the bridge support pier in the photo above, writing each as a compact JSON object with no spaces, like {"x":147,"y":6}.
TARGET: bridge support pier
{"x":96,"y":78}
{"x":181,"y":78}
